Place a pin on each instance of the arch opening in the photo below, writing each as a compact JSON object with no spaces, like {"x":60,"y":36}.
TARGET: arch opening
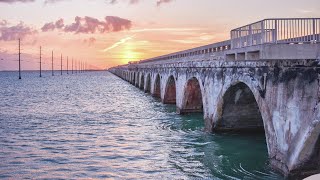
{"x":192,"y":97}
{"x":170,"y":91}
{"x":148,"y":84}
{"x":157,"y":88}
{"x":240,"y":111}
{"x":142,"y":82}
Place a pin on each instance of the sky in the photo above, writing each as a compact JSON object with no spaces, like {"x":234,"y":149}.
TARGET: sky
{"x":107,"y":33}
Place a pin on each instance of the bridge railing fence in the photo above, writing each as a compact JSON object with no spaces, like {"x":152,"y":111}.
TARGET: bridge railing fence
{"x":276,"y":31}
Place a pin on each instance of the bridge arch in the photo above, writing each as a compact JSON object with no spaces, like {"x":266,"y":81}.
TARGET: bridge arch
{"x":239,"y":110}
{"x":170,"y":91}
{"x":148,"y":83}
{"x":192,"y":100}
{"x":141,"y":85}
{"x":157,"y":86}
{"x":264,"y":111}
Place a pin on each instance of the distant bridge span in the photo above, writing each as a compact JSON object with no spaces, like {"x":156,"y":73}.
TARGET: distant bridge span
{"x":256,"y":81}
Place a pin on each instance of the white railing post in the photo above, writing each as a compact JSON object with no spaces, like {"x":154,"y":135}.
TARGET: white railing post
{"x":250,"y":35}
{"x":262,"y":32}
{"x":314,"y":30}
{"x":240,"y":38}
{"x":232,"y":39}
{"x":276,"y":31}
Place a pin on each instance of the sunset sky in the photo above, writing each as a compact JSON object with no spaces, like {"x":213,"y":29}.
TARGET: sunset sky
{"x":106,"y":33}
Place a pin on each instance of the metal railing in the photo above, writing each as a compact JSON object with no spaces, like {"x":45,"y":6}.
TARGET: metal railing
{"x":288,"y":30}
{"x":207,"y":49}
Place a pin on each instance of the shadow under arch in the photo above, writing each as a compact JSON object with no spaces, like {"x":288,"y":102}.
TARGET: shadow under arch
{"x":192,"y":97}
{"x":170,"y":91}
{"x":137,"y":79}
{"x":141,"y":86}
{"x":157,"y":87}
{"x":148,"y":84}
{"x":134,"y":78}
{"x":239,"y":111}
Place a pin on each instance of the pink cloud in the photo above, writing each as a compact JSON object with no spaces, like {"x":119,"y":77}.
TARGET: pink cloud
{"x":11,"y":33}
{"x":13,"y":1}
{"x":52,"y":26}
{"x":89,"y":25}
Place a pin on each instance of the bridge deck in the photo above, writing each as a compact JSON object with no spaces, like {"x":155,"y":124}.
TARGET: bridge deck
{"x":290,"y":38}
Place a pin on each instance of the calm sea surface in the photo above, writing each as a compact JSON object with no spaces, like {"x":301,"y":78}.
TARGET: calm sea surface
{"x":95,"y":125}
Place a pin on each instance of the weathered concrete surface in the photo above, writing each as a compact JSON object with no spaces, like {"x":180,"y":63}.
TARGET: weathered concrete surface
{"x":282,"y":96}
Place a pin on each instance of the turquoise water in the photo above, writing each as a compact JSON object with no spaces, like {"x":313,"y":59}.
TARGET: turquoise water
{"x":95,"y":125}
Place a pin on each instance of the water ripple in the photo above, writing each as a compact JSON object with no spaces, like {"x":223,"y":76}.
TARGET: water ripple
{"x":97,"y":126}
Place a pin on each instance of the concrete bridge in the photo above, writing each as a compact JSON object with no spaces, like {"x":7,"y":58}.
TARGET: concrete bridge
{"x":259,"y":80}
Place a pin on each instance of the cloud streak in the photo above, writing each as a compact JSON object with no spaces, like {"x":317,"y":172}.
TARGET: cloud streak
{"x":165,"y":29}
{"x":89,"y":25}
{"x":122,"y":41}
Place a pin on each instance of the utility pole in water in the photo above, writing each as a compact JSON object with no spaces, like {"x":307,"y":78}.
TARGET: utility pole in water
{"x":61,"y":64}
{"x":72,"y":65}
{"x":67,"y":64}
{"x":40,"y":62}
{"x":19,"y":61}
{"x":52,"y":63}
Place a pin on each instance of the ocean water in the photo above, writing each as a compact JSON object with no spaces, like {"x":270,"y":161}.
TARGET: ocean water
{"x":96,"y":126}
